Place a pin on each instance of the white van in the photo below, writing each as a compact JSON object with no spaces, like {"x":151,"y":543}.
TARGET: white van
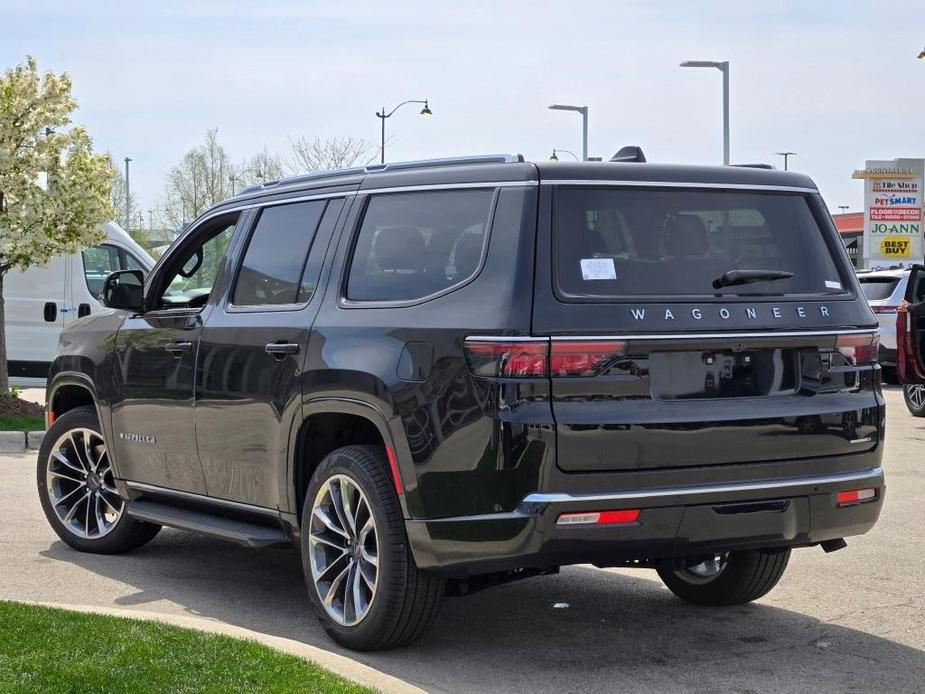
{"x":41,"y":301}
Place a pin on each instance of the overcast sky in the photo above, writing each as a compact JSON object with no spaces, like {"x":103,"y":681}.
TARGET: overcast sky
{"x":837,"y":82}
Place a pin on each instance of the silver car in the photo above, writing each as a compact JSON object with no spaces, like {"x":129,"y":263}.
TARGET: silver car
{"x":884,"y":290}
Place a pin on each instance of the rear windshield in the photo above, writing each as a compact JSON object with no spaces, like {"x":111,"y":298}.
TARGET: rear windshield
{"x":877,"y":288}
{"x":613,"y":242}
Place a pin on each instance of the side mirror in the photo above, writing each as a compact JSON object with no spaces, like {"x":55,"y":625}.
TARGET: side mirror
{"x":124,"y":290}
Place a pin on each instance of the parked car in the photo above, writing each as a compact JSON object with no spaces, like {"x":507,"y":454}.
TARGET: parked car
{"x":438,"y":376}
{"x":908,"y":327}
{"x":42,"y":301}
{"x":884,"y":290}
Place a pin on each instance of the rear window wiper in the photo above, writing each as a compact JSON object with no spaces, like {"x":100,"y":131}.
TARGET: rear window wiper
{"x":734,"y":277}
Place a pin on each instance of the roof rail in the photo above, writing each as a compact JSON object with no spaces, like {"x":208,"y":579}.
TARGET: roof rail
{"x":302,"y":178}
{"x":448,"y":161}
{"x":630,"y":153}
{"x":753,"y":166}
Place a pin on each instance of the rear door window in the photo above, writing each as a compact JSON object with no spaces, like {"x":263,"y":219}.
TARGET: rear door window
{"x":413,"y":245}
{"x":878,"y":288}
{"x":612,"y":242}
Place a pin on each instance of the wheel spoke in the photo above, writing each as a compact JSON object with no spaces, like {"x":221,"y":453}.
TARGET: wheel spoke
{"x":335,"y":585}
{"x":106,"y":501}
{"x":100,"y":521}
{"x":325,"y":575}
{"x":368,"y":572}
{"x":337,"y":501}
{"x":61,"y":458}
{"x":329,"y":523}
{"x":87,"y":450}
{"x":317,"y":538}
{"x":349,"y":512}
{"x":71,"y":493}
{"x":70,"y":514}
{"x":66,"y":477}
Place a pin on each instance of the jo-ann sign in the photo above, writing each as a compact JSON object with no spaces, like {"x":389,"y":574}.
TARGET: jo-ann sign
{"x":892,"y":212}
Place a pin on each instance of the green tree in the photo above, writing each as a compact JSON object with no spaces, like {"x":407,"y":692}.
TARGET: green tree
{"x":55,"y":190}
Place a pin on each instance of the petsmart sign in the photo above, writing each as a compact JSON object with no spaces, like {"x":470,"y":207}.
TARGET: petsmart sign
{"x":892,"y":212}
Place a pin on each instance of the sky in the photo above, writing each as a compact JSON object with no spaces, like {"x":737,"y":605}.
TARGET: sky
{"x":836,"y":82}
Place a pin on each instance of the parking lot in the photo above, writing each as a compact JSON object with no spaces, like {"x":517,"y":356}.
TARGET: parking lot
{"x":852,"y":620}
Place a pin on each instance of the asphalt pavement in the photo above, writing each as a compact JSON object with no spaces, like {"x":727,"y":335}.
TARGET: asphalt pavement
{"x":849,"y":621}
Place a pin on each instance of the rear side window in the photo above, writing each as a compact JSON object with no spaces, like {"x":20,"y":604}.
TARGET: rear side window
{"x":878,"y":288}
{"x":99,"y":261}
{"x":631,"y":242}
{"x":272,"y":268}
{"x":412,"y":245}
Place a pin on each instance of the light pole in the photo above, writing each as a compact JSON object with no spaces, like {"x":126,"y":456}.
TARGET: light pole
{"x":128,"y":199}
{"x":843,"y":208}
{"x":921,"y":55}
{"x":583,"y":110}
{"x":555,"y":156}
{"x":382,"y":115}
{"x":786,"y":156}
{"x":724,"y":68}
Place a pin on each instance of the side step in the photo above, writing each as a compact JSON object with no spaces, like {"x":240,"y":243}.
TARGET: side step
{"x":242,"y":532}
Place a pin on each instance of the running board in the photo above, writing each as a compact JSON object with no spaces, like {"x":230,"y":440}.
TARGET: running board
{"x":242,"y":532}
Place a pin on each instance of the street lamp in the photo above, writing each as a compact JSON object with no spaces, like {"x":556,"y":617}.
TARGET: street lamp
{"x":786,"y":155}
{"x":382,"y":115}
{"x":583,"y":110}
{"x":922,"y":54}
{"x":843,"y":208}
{"x":128,"y":198}
{"x":555,"y":152}
{"x":724,"y":68}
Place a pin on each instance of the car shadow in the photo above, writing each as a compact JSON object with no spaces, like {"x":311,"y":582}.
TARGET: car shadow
{"x":581,"y":630}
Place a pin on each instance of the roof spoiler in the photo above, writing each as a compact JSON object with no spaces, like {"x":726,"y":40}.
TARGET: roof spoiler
{"x":630,"y":153}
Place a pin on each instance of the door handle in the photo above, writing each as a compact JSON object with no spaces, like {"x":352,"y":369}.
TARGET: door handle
{"x":280,"y":349}
{"x":50,"y":312}
{"x":178,"y":348}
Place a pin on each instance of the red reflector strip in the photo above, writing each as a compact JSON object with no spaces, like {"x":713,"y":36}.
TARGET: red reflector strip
{"x":621,"y":516}
{"x":856,"y":496}
{"x":885,"y":309}
{"x":393,"y":466}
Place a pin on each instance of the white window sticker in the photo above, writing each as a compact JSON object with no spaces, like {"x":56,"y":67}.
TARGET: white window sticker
{"x":832,"y":285}
{"x":598,"y":269}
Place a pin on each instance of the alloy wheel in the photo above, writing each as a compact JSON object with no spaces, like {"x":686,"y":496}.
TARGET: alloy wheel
{"x":916,"y":395}
{"x":80,"y":484}
{"x":705,"y":571}
{"x":344,"y":550}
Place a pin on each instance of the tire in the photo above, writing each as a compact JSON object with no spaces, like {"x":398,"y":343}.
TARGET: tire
{"x":68,"y":476}
{"x":741,"y":577}
{"x":400,"y":602}
{"x":914,"y":395}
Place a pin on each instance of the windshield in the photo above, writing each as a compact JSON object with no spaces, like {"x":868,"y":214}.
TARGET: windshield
{"x":878,"y":288}
{"x":613,"y":242}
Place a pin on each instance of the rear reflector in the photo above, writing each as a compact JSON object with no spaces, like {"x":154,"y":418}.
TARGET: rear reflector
{"x":858,"y":349}
{"x":619,"y":517}
{"x":884,"y":309}
{"x":856,"y":496}
{"x":393,"y":466}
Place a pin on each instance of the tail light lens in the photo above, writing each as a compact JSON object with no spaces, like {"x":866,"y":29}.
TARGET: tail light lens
{"x":508,"y":358}
{"x":884,"y":309}
{"x":584,"y":358}
{"x":527,"y":358}
{"x":858,"y":349}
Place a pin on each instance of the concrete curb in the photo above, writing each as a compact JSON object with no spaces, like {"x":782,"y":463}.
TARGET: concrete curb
{"x":338,"y":664}
{"x":16,"y":441}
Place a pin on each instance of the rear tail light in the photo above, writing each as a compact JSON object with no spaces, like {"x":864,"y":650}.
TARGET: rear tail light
{"x":584,"y":358}
{"x":884,"y":309}
{"x":538,"y":358}
{"x":858,"y":349}
{"x":620,"y":517}
{"x":856,"y":496}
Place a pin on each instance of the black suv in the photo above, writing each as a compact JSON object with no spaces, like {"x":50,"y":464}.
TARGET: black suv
{"x":442,"y":375}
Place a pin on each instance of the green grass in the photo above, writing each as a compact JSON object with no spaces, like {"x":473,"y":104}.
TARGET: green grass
{"x":50,"y":650}
{"x":22,"y":422}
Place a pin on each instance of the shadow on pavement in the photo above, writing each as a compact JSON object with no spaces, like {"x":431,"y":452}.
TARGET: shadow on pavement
{"x":619,"y":633}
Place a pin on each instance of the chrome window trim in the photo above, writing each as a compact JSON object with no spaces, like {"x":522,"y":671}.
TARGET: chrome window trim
{"x":675,"y":336}
{"x":676,"y":184}
{"x":564,"y":498}
{"x":447,"y":186}
{"x":201,"y":498}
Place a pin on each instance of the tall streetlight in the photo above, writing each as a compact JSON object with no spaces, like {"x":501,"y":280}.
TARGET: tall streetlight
{"x":555,"y":154}
{"x":382,"y":115}
{"x":844,"y":208}
{"x":583,"y":110}
{"x":786,"y":155}
{"x":128,"y":199}
{"x":921,"y":55}
{"x":724,"y":68}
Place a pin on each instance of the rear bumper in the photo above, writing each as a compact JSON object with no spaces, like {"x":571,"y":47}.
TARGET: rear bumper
{"x":673,"y":522}
{"x":886,"y":356}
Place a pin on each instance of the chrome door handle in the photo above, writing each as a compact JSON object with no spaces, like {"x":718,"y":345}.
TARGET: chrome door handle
{"x":178,"y":348}
{"x":279,"y":349}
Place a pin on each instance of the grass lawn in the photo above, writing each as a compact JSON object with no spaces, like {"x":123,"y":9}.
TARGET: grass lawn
{"x":49,"y":650}
{"x":22,"y":422}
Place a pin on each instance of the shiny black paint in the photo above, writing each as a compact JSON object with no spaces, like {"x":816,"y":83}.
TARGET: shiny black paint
{"x":469,"y":449}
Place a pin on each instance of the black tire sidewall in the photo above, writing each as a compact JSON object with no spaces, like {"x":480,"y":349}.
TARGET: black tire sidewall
{"x":738,"y":582}
{"x":128,"y":532}
{"x":913,"y":410}
{"x":392,"y":545}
